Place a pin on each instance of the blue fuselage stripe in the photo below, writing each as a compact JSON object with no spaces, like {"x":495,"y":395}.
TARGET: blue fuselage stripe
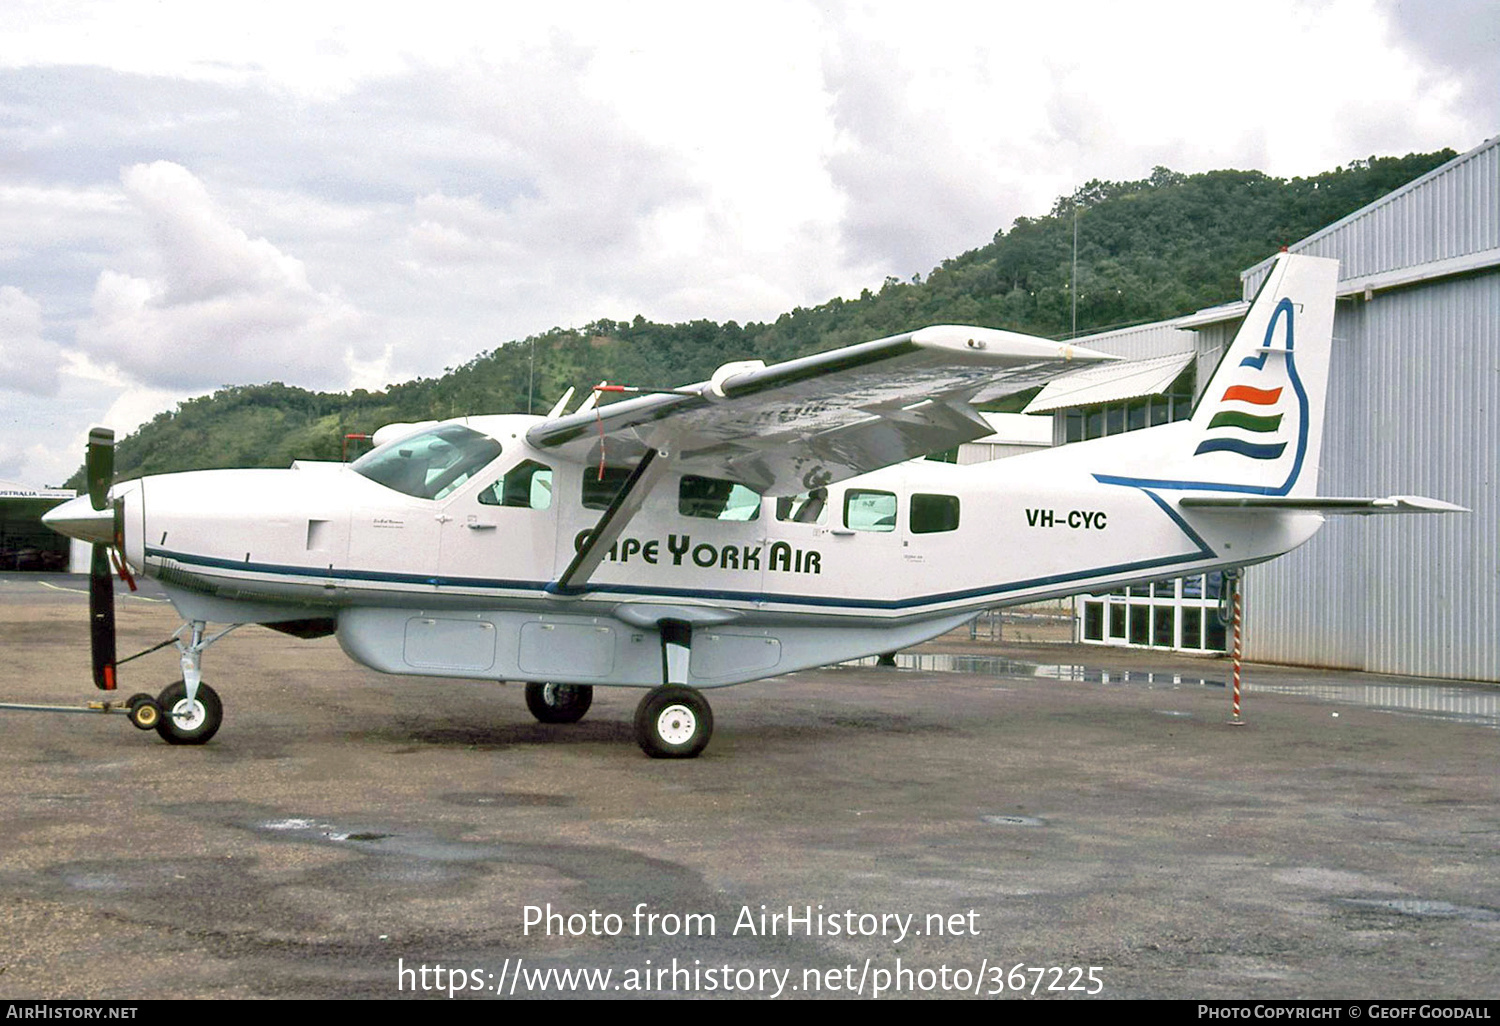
{"x":916,"y":602}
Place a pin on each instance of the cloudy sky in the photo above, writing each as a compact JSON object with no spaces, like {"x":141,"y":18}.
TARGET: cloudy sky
{"x":347,"y":194}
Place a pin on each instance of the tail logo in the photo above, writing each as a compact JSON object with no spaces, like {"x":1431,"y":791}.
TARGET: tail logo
{"x":1249,"y":419}
{"x":1249,"y":411}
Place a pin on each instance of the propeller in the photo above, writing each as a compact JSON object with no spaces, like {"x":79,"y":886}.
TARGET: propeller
{"x":99,"y":464}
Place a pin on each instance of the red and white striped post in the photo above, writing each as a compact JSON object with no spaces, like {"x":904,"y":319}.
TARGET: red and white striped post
{"x":1236,"y":720}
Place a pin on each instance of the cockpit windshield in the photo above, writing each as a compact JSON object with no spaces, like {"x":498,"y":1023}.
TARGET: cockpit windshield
{"x":431,"y":464}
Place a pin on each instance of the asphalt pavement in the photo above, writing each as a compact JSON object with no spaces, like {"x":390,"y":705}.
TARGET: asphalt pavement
{"x":1067,"y":820}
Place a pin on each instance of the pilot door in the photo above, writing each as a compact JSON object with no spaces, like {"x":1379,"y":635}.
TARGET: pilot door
{"x":502,"y":533}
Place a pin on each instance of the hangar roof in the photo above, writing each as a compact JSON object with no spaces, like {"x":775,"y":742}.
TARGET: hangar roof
{"x":1444,"y":223}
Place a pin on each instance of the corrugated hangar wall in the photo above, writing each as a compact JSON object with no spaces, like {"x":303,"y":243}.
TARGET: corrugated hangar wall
{"x":1413,"y":407}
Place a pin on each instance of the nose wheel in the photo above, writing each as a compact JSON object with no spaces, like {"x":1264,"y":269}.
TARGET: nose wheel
{"x":184,"y":722}
{"x":673,"y":722}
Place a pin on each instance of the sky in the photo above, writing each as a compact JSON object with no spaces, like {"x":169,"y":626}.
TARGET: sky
{"x":339,"y":195}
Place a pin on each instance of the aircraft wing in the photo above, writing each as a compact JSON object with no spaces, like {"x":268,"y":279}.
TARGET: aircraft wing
{"x":808,"y":422}
{"x":1325,"y":505}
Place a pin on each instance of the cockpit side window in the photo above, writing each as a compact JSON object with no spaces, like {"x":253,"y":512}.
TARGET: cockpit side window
{"x":431,"y":464}
{"x":527,"y":485}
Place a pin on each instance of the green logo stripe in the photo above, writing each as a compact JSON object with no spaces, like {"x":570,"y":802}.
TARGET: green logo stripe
{"x":1248,"y":421}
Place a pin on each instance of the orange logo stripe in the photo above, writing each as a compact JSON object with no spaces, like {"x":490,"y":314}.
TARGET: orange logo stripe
{"x":1258,"y":396}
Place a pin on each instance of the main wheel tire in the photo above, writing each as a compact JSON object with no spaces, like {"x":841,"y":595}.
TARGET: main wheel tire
{"x":184,"y":723}
{"x":673,"y":722}
{"x":559,"y":703}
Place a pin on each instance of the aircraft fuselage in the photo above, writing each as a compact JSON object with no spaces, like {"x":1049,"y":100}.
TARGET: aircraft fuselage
{"x":464,"y":584}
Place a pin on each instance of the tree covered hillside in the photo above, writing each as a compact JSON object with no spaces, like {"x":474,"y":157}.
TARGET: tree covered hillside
{"x":1150,"y":249}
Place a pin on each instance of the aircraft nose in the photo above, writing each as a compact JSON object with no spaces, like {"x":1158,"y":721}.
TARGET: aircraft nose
{"x":76,"y":518}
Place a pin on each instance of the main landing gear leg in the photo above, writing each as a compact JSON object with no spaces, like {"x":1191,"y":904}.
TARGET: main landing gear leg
{"x":674,"y":721}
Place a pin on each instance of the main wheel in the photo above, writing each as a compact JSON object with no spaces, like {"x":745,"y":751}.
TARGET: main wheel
{"x":673,"y":722}
{"x":559,"y":703}
{"x":188,"y":723}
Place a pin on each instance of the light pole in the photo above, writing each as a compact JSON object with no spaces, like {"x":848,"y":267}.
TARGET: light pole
{"x":1073,"y":286}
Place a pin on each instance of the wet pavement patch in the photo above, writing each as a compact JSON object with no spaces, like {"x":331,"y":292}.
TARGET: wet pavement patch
{"x":1021,"y":821}
{"x":505,"y":800}
{"x":1421,"y":908}
{"x":1478,"y":705}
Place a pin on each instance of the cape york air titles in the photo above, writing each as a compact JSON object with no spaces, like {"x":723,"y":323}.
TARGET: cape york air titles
{"x":679,"y":550}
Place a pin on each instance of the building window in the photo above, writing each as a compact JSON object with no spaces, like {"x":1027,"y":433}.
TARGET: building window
{"x":1073,"y":429}
{"x":1176,"y":403}
{"x":1093,"y":621}
{"x":1177,"y":613}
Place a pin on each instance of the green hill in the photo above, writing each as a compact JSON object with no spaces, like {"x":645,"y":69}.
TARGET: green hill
{"x":1150,"y":249}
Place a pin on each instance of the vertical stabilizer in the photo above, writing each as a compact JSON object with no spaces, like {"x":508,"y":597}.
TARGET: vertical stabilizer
{"x":1259,"y":423}
{"x":1258,"y":427}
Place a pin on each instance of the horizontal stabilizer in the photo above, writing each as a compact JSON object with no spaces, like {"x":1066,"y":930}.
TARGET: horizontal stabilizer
{"x":1311,"y":504}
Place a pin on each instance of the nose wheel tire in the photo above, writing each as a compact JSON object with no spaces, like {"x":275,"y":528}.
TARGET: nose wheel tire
{"x":673,"y":722}
{"x":559,"y":703}
{"x":188,"y":723}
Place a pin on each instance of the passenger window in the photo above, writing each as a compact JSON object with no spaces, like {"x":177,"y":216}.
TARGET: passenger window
{"x":598,"y":492}
{"x":716,"y":500}
{"x":933,"y":514}
{"x":806,"y":508}
{"x":527,"y":485}
{"x":869,"y":511}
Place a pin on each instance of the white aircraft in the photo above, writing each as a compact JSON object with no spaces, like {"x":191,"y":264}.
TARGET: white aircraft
{"x":765,"y":521}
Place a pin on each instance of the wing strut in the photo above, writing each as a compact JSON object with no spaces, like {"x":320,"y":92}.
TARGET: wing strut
{"x":622,"y":508}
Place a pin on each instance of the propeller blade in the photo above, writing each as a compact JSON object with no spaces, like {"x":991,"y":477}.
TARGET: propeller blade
{"x":99,"y":464}
{"x":102,"y":618}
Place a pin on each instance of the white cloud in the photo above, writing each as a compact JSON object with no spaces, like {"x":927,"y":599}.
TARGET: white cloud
{"x":343,"y":194}
{"x":220,"y":307}
{"x":28,"y":362}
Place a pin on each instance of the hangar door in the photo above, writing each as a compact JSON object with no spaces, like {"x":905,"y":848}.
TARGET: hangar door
{"x":25,"y":544}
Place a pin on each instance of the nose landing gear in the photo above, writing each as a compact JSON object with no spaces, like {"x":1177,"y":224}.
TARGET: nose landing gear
{"x":188,"y":721}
